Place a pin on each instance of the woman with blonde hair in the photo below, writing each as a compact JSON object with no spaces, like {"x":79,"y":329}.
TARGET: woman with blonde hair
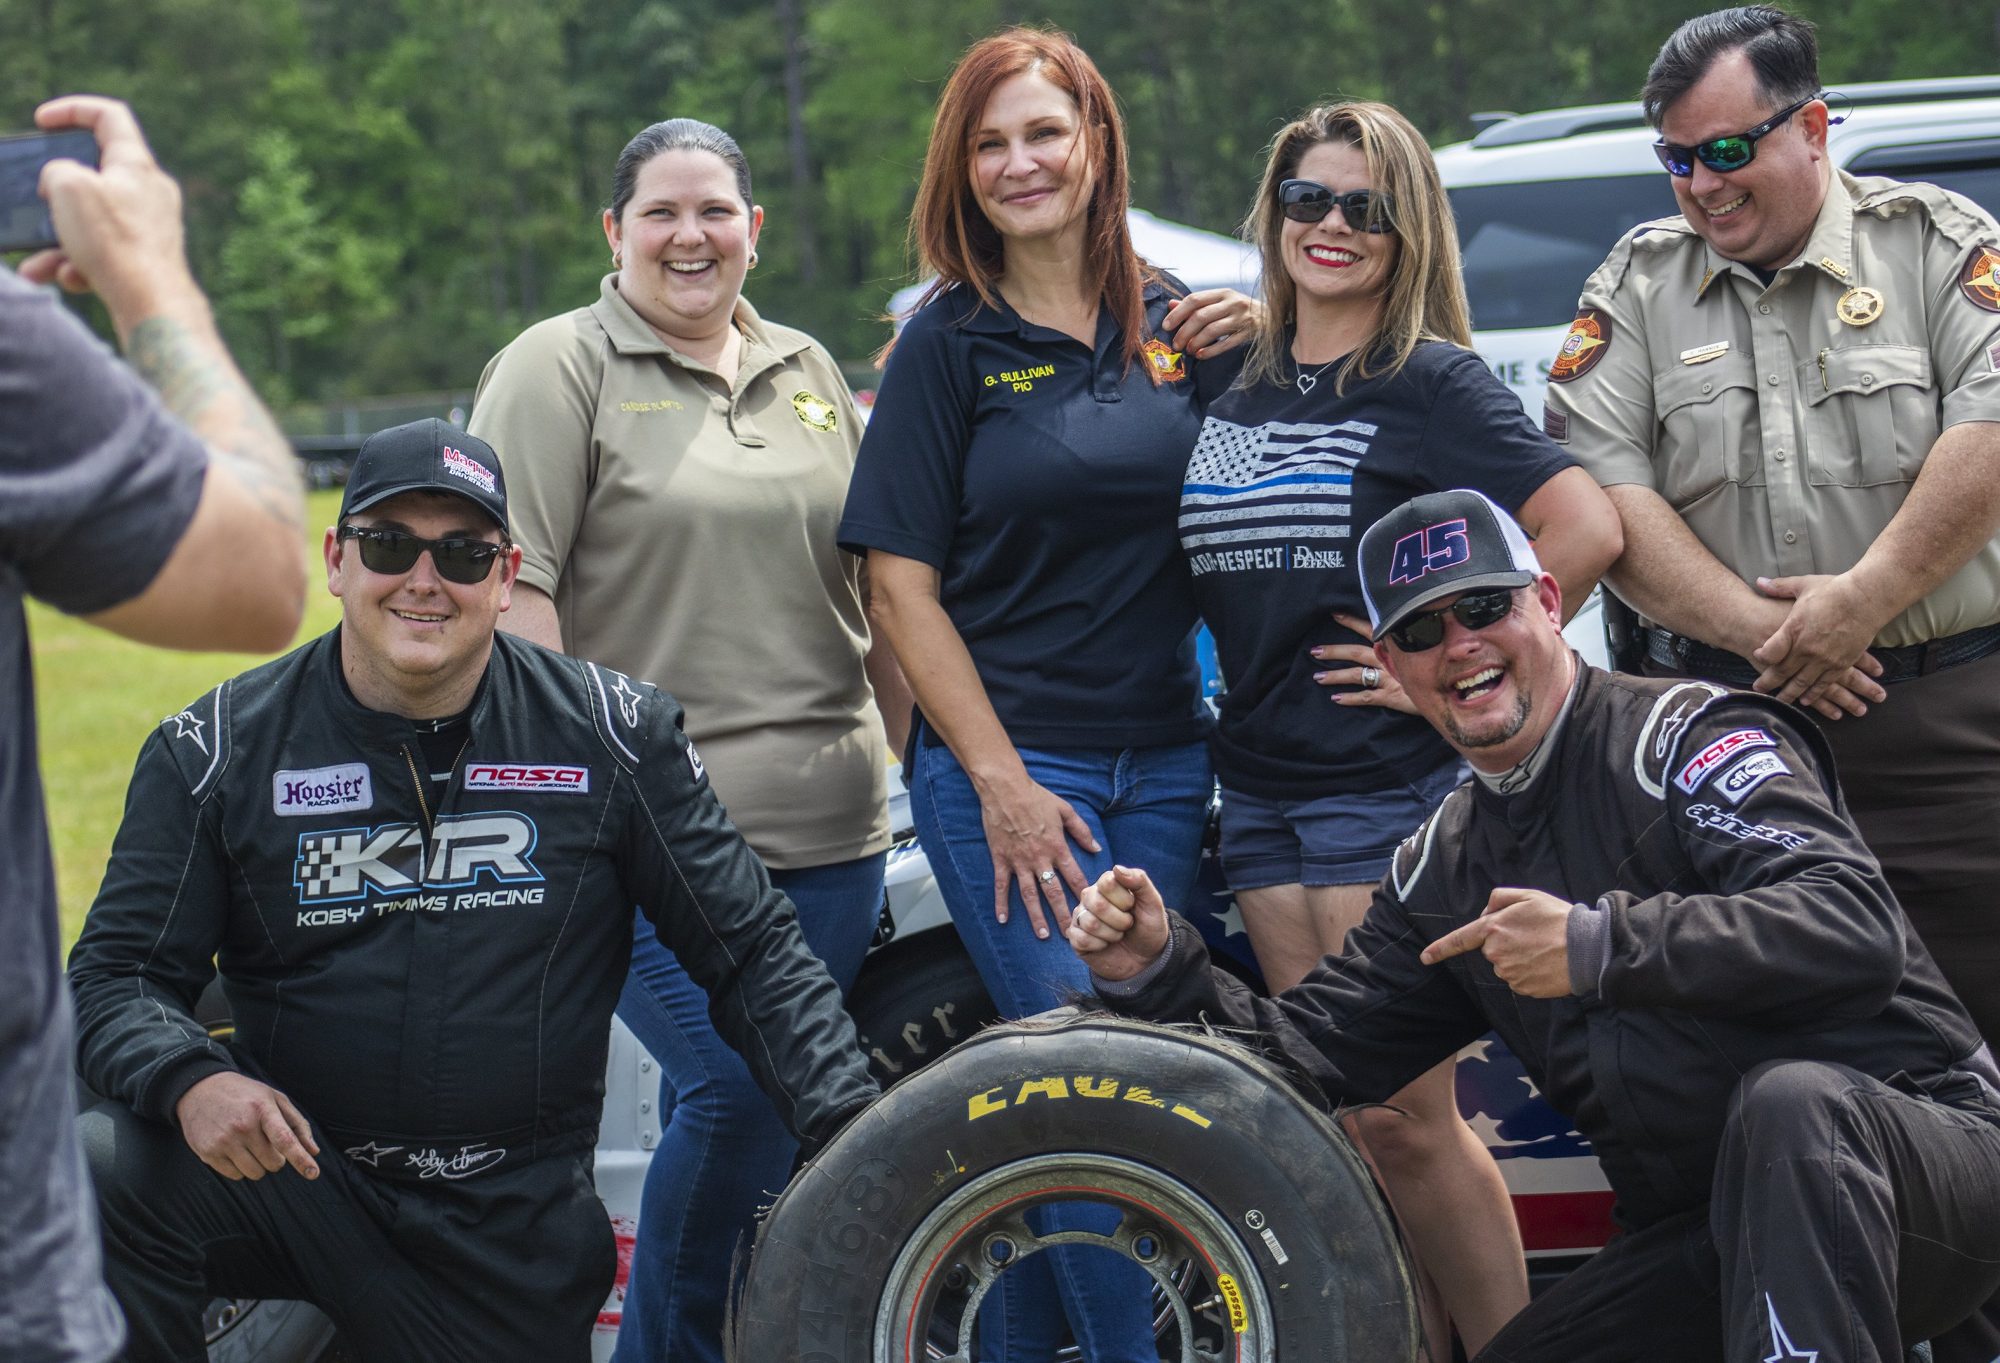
{"x":1359,"y":392}
{"x":1015,"y":497}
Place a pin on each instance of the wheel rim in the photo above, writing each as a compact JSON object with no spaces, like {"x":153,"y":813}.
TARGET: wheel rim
{"x":1215,"y":1299}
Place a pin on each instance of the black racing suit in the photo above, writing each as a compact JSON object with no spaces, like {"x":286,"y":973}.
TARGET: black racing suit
{"x":433,"y":987}
{"x":1748,"y":929}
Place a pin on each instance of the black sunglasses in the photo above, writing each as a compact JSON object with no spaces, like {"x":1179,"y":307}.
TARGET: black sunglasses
{"x":1366,"y":210}
{"x":1474,"y":610}
{"x":1724,"y":154}
{"x":394,"y":552}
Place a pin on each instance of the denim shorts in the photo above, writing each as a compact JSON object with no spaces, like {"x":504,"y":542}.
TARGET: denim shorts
{"x":1333,"y":840}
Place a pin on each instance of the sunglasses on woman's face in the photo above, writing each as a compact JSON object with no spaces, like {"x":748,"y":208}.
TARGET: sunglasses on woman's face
{"x":1474,"y":610}
{"x":1722,"y":154}
{"x":394,"y":552}
{"x":1366,"y":210}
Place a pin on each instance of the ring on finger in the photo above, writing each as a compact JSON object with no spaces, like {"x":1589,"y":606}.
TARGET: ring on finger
{"x":1046,"y":877}
{"x":1371,"y":677}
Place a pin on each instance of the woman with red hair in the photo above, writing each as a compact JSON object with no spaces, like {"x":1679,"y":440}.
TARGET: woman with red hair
{"x":1016,"y":495}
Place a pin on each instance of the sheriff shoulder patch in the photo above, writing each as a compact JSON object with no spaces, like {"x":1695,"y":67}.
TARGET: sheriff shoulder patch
{"x":1589,"y":337}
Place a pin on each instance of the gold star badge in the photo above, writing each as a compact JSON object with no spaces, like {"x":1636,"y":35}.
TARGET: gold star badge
{"x":1859,"y":306}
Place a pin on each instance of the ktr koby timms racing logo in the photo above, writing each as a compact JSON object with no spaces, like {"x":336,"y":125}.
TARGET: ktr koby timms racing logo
{"x":1589,"y":336}
{"x":347,"y":863}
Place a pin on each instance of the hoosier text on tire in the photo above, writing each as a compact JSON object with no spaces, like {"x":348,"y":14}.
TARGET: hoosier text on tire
{"x":1214,"y":1162}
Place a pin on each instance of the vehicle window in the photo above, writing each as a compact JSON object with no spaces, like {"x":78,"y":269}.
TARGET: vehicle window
{"x":1970,"y":168}
{"x":1529,"y":247}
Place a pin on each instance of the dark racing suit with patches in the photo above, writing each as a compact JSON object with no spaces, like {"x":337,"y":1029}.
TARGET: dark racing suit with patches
{"x":431,"y":982}
{"x":1768,"y":1065}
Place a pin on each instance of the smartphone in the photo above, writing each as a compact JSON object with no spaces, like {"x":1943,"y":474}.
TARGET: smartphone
{"x":24,"y":218}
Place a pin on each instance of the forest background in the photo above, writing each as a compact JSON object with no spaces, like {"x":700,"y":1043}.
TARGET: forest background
{"x":382,"y":193}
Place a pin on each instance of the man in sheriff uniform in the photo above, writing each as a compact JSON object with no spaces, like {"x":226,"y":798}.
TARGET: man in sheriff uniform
{"x":410,"y":849}
{"x":1790,"y":393}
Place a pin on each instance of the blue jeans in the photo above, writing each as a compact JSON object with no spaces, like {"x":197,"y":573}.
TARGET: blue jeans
{"x":1146,"y":807}
{"x":723,"y":1150}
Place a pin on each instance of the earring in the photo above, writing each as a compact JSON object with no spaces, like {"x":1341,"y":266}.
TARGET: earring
{"x":753,"y":259}
{"x":617,"y":260}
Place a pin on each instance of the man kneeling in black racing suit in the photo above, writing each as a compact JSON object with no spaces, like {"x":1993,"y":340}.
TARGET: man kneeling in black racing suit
{"x":1653,"y":894}
{"x":412,"y":846}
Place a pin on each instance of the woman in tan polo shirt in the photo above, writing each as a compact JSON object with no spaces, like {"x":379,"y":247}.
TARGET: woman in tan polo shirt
{"x":677,"y":467}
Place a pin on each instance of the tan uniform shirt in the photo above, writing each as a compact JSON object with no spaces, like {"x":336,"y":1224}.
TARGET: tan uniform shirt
{"x":686,"y":533}
{"x":1785,"y":423}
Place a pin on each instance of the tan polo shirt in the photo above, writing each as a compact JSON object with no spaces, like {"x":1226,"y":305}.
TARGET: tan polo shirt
{"x":685,"y":530}
{"x":1786,"y":423}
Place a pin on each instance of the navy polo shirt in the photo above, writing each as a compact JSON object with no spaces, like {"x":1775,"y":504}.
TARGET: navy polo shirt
{"x":1041,"y":478}
{"x":1279,"y":491}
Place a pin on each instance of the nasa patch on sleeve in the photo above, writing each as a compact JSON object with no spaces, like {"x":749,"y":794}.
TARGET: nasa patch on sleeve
{"x":1709,"y":760}
{"x":694,"y":761}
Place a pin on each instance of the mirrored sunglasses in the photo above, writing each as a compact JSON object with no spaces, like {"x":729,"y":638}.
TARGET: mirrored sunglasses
{"x":1366,"y":210}
{"x":1724,"y":154}
{"x":395,"y":552}
{"x":1474,"y":610}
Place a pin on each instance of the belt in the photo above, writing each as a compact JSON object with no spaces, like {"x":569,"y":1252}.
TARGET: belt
{"x":1902,"y":664}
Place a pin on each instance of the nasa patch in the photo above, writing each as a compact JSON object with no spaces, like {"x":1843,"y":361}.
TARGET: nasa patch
{"x":527,"y":776}
{"x":1705,"y":763}
{"x":694,"y":761}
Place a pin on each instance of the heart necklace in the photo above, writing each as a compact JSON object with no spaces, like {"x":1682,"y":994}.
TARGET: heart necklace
{"x":1306,"y":381}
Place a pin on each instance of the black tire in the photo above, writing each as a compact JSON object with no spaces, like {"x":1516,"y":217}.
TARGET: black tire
{"x":267,"y":1332}
{"x":1212,"y":1157}
{"x":916,"y":999}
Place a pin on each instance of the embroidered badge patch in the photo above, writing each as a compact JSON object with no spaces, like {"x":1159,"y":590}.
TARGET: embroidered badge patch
{"x":814,"y":411}
{"x":1979,"y":282}
{"x":1752,"y":772}
{"x":527,"y":776}
{"x":1170,"y":365}
{"x":1704,"y":763}
{"x":1589,"y":337}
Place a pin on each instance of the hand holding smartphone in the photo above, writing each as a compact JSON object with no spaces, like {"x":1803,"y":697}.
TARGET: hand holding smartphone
{"x":24,"y":216}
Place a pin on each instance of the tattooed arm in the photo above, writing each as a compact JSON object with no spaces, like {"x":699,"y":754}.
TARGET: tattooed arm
{"x":237,"y":577}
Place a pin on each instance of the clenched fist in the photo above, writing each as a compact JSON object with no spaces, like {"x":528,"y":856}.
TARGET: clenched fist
{"x":1120,"y":928}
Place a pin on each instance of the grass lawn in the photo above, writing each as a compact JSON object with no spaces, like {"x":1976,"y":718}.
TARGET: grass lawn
{"x":100,"y":696}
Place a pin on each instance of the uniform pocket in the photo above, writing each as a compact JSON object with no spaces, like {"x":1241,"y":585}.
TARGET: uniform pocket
{"x":1871,"y":416}
{"x":1708,"y":420}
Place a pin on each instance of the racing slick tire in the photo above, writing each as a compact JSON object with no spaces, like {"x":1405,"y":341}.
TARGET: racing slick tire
{"x":914,"y":1000}
{"x":268,"y":1332}
{"x":1214,"y":1161}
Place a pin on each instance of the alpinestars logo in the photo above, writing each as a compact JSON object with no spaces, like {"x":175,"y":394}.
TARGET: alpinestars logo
{"x":1782,"y":1348}
{"x":347,"y":863}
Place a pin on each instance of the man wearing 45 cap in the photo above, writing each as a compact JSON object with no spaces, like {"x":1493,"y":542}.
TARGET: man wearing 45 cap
{"x":1791,"y":393}
{"x":411,"y":848}
{"x":1652,"y":892}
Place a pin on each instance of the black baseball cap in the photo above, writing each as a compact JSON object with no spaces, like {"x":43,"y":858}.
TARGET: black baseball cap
{"x":1440,"y":544}
{"x":426,"y":456}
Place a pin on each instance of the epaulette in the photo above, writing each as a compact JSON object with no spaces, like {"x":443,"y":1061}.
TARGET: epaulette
{"x":1661,"y":234}
{"x":1958,"y":219}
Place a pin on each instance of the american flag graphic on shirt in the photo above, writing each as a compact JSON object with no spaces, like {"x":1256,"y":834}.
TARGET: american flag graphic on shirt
{"x":1275,"y":495}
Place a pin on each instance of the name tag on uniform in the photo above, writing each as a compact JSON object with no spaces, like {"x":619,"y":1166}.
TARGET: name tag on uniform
{"x":1702,"y":354}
